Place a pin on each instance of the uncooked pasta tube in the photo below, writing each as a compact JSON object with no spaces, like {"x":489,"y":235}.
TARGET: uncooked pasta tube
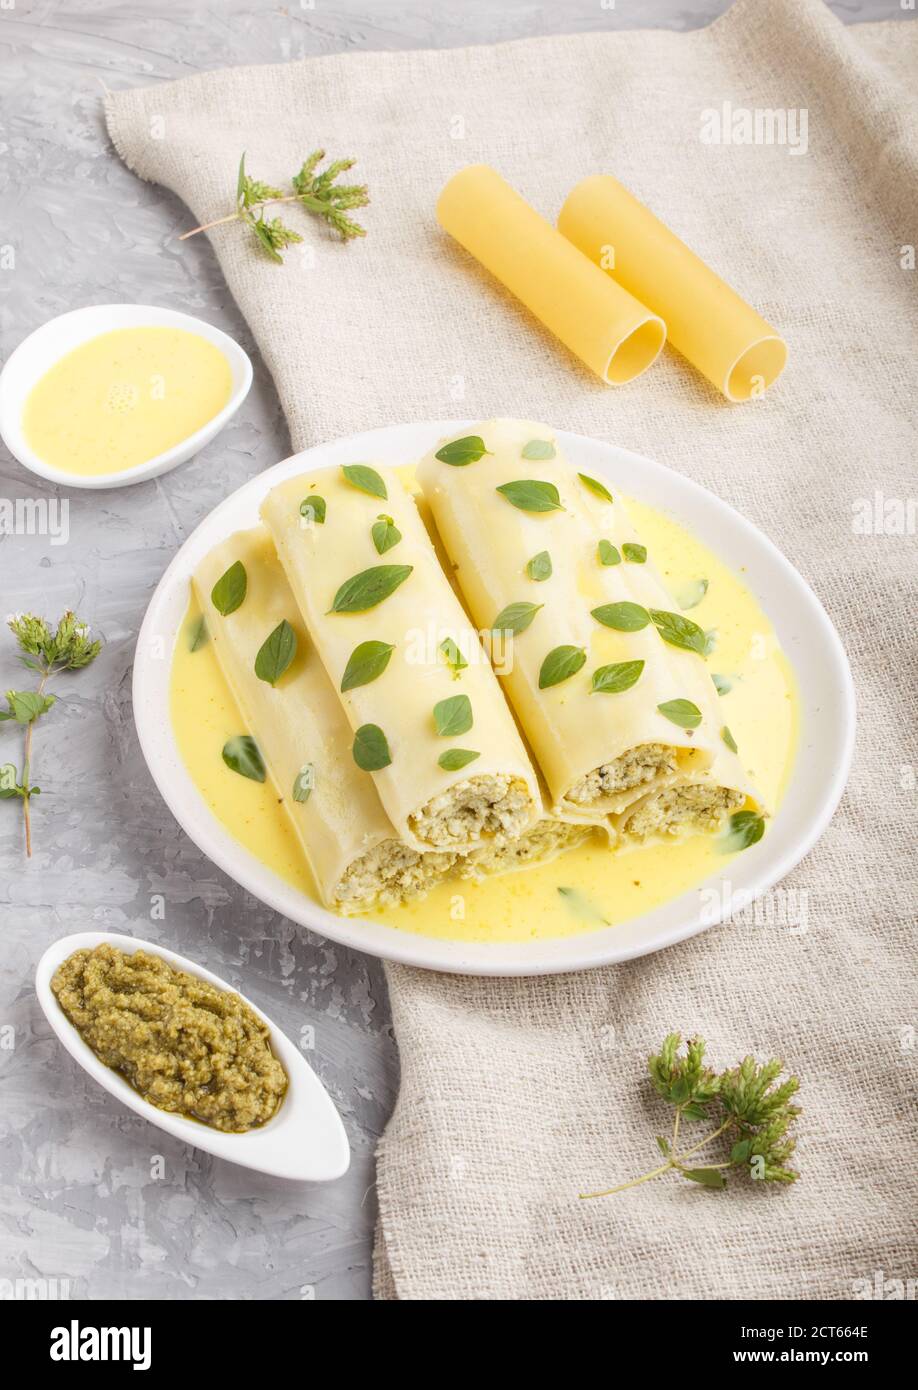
{"x":706,"y":320}
{"x":301,"y":733}
{"x":596,"y":318}
{"x":607,"y":682}
{"x":431,"y":729}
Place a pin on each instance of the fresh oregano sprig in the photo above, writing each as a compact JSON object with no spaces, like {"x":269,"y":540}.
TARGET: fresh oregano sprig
{"x":316,"y":192}
{"x":69,"y":647}
{"x":746,"y":1105}
{"x":332,"y":201}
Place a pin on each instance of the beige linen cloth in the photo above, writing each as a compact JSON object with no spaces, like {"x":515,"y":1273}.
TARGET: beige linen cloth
{"x":516,"y":1095}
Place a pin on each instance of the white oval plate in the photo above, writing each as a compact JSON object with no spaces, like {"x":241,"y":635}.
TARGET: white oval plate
{"x":305,"y":1140}
{"x":801,"y":624}
{"x":37,"y":353}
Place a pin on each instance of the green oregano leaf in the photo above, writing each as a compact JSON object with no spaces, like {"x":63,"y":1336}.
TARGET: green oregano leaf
{"x":469,"y":449}
{"x":516,"y":617}
{"x":595,"y":486}
{"x":690,"y":594}
{"x":453,"y":716}
{"x":621,"y":675}
{"x":637,"y":554}
{"x":678,"y":631}
{"x":365,"y":664}
{"x":27,"y":705}
{"x":682,"y":712}
{"x":746,"y":828}
{"x":539,"y":449}
{"x":560,"y":664}
{"x":455,"y":758}
{"x":722,"y":685}
{"x":230,"y":589}
{"x":532,"y":495}
{"x":304,"y":782}
{"x":728,"y":739}
{"x":581,"y":906}
{"x":197,"y":634}
{"x":539,"y":567}
{"x":371,"y":749}
{"x":241,"y":755}
{"x":362,"y":476}
{"x":608,"y":554}
{"x":385,"y":534}
{"x":708,"y":1177}
{"x":276,"y":653}
{"x":370,"y":587}
{"x":624,"y":617}
{"x":314,"y":509}
{"x":453,"y":656}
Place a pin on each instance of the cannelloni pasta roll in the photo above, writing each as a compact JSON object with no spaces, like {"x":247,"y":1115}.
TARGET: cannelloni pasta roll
{"x":548,"y":838}
{"x":698,"y":797}
{"x":431,"y":728}
{"x":295,"y":718}
{"x":606,"y":680}
{"x":698,"y":801}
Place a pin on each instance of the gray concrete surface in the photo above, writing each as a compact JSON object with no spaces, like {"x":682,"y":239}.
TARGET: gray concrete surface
{"x":94,"y":1201}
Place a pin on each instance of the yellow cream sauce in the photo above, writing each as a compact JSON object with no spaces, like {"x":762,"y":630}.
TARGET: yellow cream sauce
{"x":124,"y":397}
{"x":588,"y":887}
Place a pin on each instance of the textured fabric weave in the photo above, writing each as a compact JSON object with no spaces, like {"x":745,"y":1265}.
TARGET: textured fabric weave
{"x":518,"y":1094}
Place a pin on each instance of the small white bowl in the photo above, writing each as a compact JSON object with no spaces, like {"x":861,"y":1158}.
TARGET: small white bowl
{"x":305,"y":1140}
{"x":48,"y":344}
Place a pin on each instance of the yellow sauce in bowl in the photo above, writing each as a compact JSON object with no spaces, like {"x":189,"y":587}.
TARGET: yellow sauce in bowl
{"x":588,"y":887}
{"x":125,"y":397}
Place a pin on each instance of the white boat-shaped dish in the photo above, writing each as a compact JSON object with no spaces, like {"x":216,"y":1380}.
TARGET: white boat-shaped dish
{"x":37,"y":353}
{"x":304,"y":1140}
{"x":801,"y":624}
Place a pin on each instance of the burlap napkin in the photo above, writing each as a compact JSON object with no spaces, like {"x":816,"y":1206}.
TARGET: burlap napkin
{"x":517,"y":1094}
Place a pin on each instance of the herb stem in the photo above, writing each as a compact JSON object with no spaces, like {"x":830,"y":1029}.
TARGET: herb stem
{"x":635,"y":1182}
{"x":234,"y":216}
{"x":675,"y":1161}
{"x":701,"y":1143}
{"x":27,"y":773}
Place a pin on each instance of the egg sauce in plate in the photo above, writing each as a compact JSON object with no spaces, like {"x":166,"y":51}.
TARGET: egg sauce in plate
{"x":588,"y":887}
{"x":125,"y":397}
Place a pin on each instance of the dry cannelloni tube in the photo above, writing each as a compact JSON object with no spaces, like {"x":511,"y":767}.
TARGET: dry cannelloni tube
{"x":431,"y":728}
{"x":291,"y":711}
{"x":607,"y":681}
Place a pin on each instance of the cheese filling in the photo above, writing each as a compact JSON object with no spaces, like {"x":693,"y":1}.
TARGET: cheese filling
{"x":633,"y":769}
{"x":393,"y":873}
{"x":390,"y":873}
{"x":546,"y":839}
{"x":495,"y":807}
{"x":673,"y":810}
